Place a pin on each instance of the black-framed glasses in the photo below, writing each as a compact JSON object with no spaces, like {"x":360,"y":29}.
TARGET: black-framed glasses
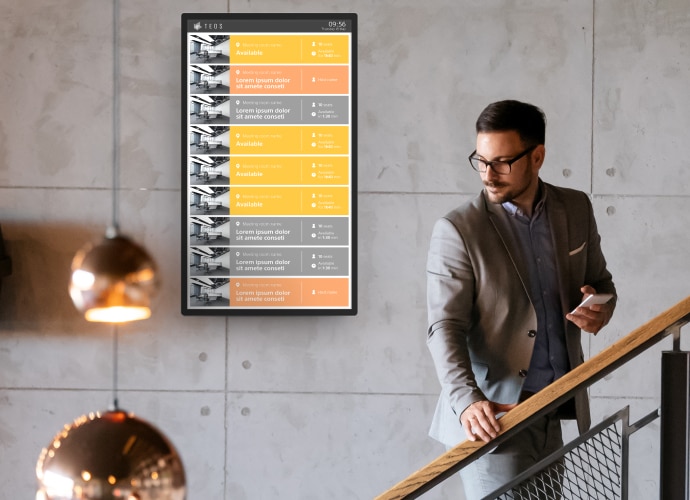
{"x":502,"y":167}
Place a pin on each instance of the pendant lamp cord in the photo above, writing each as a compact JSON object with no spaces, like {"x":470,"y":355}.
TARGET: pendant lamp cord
{"x":114,"y":229}
{"x":115,"y":367}
{"x":115,"y":225}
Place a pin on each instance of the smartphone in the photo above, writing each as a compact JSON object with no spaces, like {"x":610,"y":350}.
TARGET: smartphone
{"x":597,"y":298}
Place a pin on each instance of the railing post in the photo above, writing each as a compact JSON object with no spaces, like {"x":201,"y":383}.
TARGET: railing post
{"x":675,"y":425}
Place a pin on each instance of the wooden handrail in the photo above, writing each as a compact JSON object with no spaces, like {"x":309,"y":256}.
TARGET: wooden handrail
{"x":544,"y":401}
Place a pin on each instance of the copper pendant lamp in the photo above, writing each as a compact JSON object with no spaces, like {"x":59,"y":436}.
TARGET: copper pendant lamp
{"x":113,"y":455}
{"x":113,"y":281}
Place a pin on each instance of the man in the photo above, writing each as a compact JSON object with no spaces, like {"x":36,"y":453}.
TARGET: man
{"x":504,"y":272}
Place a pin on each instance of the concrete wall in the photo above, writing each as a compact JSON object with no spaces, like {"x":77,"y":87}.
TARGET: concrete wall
{"x":314,"y":408}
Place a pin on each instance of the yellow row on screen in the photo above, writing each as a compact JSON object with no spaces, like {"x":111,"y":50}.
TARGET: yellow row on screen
{"x":319,"y":200}
{"x":276,"y":170}
{"x":269,"y":140}
{"x":289,"y":49}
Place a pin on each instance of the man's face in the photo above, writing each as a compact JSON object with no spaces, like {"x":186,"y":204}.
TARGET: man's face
{"x":521,"y":184}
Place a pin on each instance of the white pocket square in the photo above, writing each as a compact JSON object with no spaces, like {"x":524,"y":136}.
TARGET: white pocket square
{"x":578,"y":249}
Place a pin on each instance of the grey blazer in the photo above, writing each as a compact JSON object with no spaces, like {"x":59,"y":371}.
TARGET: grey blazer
{"x":480,"y":314}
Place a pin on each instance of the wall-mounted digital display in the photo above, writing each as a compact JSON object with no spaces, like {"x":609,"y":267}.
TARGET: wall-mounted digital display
{"x":269,"y":164}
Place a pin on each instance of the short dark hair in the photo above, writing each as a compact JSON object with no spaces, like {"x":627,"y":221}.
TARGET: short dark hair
{"x":526,"y":119}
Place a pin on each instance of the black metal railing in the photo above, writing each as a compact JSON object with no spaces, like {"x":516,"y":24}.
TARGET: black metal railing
{"x":593,"y":466}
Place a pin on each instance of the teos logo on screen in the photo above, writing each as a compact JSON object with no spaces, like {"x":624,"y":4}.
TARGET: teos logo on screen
{"x":208,"y":26}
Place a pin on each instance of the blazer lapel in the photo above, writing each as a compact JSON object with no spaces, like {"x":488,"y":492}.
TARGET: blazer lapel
{"x":499,"y":220}
{"x":558,"y":222}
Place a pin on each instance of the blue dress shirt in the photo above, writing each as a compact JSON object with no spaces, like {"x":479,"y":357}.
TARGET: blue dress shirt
{"x":550,"y":356}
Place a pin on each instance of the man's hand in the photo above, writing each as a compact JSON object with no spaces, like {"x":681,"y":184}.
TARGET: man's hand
{"x":479,"y":420}
{"x":593,"y":318}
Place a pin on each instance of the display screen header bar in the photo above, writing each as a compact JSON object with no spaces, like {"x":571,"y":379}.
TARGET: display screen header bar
{"x":321,"y":23}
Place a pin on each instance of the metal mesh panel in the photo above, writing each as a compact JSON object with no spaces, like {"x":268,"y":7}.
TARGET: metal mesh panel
{"x":592,"y":469}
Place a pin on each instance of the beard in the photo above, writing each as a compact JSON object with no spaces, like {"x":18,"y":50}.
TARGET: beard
{"x":499,"y":192}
